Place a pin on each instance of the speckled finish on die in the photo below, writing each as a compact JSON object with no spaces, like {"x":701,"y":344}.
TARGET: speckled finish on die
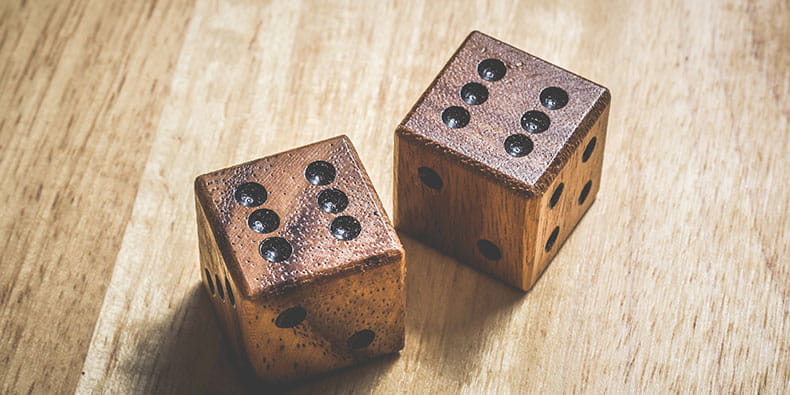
{"x":301,"y":284}
{"x":499,"y":159}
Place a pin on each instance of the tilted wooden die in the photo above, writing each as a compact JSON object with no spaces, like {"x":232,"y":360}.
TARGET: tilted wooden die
{"x":499,"y":159}
{"x":303,"y":267}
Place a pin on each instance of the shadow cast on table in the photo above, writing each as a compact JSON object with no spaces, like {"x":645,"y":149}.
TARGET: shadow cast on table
{"x":450,"y":308}
{"x":452,"y":311}
{"x":188,"y":353}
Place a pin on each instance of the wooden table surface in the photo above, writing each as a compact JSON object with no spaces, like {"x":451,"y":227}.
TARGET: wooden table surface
{"x":678,"y":278}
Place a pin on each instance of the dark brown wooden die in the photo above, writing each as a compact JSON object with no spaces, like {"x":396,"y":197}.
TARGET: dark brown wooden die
{"x":499,"y":159}
{"x":303,"y":267}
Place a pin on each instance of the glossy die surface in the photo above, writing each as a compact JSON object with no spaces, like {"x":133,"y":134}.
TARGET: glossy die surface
{"x":499,"y":159}
{"x":303,"y":267}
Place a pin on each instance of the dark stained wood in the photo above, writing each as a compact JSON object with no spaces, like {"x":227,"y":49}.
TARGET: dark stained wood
{"x":487,"y":194}
{"x":479,"y":145}
{"x":344,"y":286}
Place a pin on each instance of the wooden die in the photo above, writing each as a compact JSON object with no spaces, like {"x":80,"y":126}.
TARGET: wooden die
{"x":303,"y":267}
{"x":499,"y":159}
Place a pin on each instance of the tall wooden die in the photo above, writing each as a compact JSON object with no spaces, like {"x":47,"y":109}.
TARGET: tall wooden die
{"x":499,"y":159}
{"x":303,"y":267}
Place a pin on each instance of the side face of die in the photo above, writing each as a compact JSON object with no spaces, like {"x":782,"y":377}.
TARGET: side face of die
{"x":303,"y":267}
{"x":499,"y":159}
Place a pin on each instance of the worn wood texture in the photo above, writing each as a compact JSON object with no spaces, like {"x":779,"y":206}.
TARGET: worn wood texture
{"x":678,"y":280}
{"x":466,"y":188}
{"x":305,"y":288}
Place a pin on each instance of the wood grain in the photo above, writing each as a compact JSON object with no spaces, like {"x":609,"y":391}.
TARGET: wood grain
{"x":488,"y":208}
{"x":316,"y":253}
{"x":679,"y":278}
{"x":76,"y":88}
{"x":343,"y":287}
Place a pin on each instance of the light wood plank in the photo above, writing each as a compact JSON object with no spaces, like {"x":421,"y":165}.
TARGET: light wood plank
{"x":80,"y":94}
{"x":678,"y":277}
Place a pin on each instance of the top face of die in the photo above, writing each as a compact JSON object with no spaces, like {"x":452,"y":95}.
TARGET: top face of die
{"x":298,"y":216}
{"x":509,"y":112}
